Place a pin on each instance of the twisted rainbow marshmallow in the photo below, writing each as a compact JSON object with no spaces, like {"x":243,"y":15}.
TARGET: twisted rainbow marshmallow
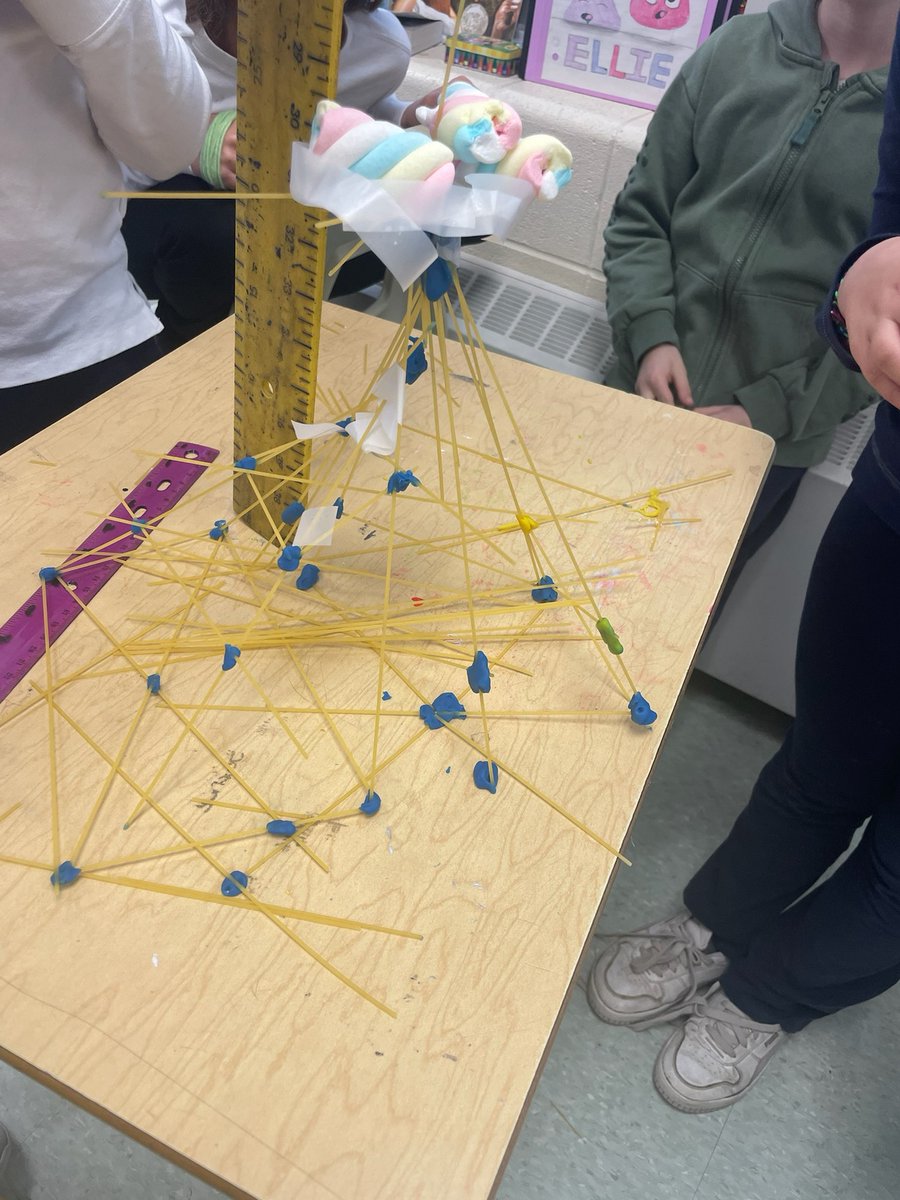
{"x":542,"y":160}
{"x":476,"y":128}
{"x":379,"y":150}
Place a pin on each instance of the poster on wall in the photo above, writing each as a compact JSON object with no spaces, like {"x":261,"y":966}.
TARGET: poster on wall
{"x":626,"y":50}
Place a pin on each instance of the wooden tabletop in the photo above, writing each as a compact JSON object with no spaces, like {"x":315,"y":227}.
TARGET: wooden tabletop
{"x":208,"y":1033}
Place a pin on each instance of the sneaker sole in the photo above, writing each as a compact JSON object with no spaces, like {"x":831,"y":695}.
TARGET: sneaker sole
{"x":609,"y":1015}
{"x":695,"y":1107}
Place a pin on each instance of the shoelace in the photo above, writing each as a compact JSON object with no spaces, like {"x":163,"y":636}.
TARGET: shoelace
{"x":727,"y":1031}
{"x":665,"y":955}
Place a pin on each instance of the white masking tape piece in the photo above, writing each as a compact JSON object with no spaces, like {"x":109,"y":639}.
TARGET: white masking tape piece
{"x":378,"y":434}
{"x":316,"y":526}
{"x":394,"y":217}
{"x":316,"y":429}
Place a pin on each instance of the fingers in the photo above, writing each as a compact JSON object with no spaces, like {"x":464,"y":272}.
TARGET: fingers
{"x":228,"y":158}
{"x":654,"y":387}
{"x":680,"y":381}
{"x":879,"y":357}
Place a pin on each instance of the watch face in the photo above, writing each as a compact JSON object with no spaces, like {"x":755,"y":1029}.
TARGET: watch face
{"x":475,"y":20}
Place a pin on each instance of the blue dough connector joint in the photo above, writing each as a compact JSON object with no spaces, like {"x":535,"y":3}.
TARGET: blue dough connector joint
{"x":292,"y":512}
{"x":219,"y":529}
{"x":153,"y":684}
{"x":289,"y":558}
{"x":247,"y":463}
{"x":385,"y":695}
{"x":544,"y":593}
{"x":139,"y":527}
{"x":308,"y":577}
{"x":416,"y":362}
{"x":232,"y":654}
{"x":400,"y":481}
{"x":371,"y":804}
{"x":479,"y":674}
{"x":641,"y":712}
{"x":339,"y":505}
{"x":437,"y":279}
{"x":342,"y":425}
{"x":48,"y":574}
{"x":282,"y":829}
{"x":446,"y":707}
{"x":232,"y":884}
{"x":485,"y":778}
{"x":65,"y":874}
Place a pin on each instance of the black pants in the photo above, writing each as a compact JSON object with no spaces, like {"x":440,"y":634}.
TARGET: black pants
{"x":840,"y":763}
{"x":31,"y":407}
{"x":181,"y":252}
{"x":775,"y":499}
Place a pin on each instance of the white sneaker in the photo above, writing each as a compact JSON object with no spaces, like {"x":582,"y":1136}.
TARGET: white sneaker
{"x":640,"y":976}
{"x":715,"y":1057}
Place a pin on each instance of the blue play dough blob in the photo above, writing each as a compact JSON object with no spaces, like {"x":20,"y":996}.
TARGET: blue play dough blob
{"x":437,"y":279}
{"x":641,"y":712}
{"x":48,"y":574}
{"x":281,"y":828}
{"x":230,"y":883}
{"x":400,"y":481}
{"x":485,"y":779}
{"x":308,"y":577}
{"x":544,"y":593}
{"x":65,"y":874}
{"x":343,"y":423}
{"x":289,"y":558}
{"x":292,"y":512}
{"x":446,"y":707}
{"x":232,"y":654}
{"x":339,"y":505}
{"x":478,"y":673}
{"x":153,"y":684}
{"x":247,"y":463}
{"x":371,"y":804}
{"x":416,"y":362}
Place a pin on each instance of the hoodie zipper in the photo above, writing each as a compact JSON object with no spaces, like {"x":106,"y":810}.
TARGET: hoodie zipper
{"x":798,"y":141}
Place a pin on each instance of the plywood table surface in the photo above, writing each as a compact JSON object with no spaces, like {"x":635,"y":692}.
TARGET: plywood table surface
{"x":203,"y":1031}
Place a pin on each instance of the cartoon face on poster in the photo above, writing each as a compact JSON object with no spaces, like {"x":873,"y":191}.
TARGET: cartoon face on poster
{"x":627,"y":50}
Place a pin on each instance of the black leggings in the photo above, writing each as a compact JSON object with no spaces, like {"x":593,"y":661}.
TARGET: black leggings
{"x":793,"y":960}
{"x":31,"y":407}
{"x":181,"y":252}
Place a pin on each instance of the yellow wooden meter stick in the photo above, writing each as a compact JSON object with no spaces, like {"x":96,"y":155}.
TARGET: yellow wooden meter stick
{"x":287,"y":63}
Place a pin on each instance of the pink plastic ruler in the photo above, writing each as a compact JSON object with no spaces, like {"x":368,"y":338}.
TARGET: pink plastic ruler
{"x":22,"y":635}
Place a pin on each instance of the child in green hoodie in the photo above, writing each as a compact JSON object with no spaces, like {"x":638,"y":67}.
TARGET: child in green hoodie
{"x":756,"y":174}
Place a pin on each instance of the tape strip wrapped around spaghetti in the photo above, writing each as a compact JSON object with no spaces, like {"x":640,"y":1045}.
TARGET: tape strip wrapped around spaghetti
{"x":395,"y":187}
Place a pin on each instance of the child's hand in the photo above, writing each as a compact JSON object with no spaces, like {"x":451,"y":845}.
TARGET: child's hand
{"x":736,"y":413}
{"x":869,"y":300}
{"x":662,"y":376}
{"x":228,"y":158}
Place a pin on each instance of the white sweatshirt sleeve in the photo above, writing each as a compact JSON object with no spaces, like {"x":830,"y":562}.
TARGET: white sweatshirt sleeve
{"x":148,"y":97}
